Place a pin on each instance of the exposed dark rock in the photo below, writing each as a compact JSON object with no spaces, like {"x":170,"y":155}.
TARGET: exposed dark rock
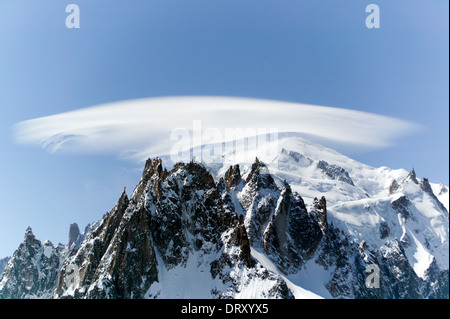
{"x":335,"y":172}
{"x":233,"y":176}
{"x":394,"y":187}
{"x":299,"y":159}
{"x":426,"y":187}
{"x":401,"y":205}
{"x":412,"y":177}
{"x":384,"y":229}
{"x":260,"y":177}
{"x":74,"y":234}
{"x":293,"y":234}
{"x":439,"y":282}
{"x":259,"y":199}
{"x":397,"y":278}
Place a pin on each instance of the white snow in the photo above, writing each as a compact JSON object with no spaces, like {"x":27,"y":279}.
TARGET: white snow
{"x":298,"y":285}
{"x":190,"y":282}
{"x":442,"y":193}
{"x":48,"y":250}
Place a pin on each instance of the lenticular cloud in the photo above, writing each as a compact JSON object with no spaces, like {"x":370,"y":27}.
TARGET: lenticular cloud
{"x":148,"y":127}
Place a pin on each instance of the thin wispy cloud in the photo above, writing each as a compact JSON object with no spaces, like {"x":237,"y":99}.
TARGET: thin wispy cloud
{"x":146,"y":127}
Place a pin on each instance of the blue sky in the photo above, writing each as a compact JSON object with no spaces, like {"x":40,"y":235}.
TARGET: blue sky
{"x":314,"y":52}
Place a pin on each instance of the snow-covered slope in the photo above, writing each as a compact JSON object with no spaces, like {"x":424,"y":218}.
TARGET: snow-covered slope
{"x":359,"y":197}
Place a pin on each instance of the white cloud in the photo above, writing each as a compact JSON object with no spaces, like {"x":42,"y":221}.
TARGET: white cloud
{"x":142,"y":128}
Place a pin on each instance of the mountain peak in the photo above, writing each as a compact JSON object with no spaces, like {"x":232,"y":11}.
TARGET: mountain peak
{"x":233,"y":176}
{"x":412,"y":176}
{"x":29,"y":236}
{"x":260,"y":176}
{"x":74,"y":233}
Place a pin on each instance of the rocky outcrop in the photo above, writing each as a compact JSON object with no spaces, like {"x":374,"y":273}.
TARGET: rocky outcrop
{"x":398,"y":279}
{"x":233,"y":176}
{"x":74,"y":234}
{"x":412,"y":177}
{"x":114,"y":261}
{"x":335,"y":172}
{"x":259,"y":199}
{"x":292,"y":234}
{"x":394,"y":187}
{"x":426,"y":187}
{"x":300,"y":159}
{"x":400,"y":205}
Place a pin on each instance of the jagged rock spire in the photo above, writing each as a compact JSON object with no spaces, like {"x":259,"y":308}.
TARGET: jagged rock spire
{"x":394,"y":187}
{"x":412,"y":176}
{"x":29,"y":236}
{"x":260,"y":176}
{"x":233,"y":176}
{"x":74,"y":233}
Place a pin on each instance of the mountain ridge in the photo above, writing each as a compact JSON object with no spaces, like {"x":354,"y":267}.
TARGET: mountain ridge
{"x":253,"y":230}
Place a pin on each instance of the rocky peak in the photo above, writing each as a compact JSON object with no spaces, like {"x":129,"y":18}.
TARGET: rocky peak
{"x":233,"y":176}
{"x":74,"y":234}
{"x":153,"y":166}
{"x":412,"y":177}
{"x":30,"y":239}
{"x":394,"y":187}
{"x":154,"y":172}
{"x":260,"y":177}
{"x":426,"y":187}
{"x":292,"y":235}
{"x":32,"y":271}
{"x":401,"y":206}
{"x":123,"y":200}
{"x":240,"y":238}
{"x":335,"y":172}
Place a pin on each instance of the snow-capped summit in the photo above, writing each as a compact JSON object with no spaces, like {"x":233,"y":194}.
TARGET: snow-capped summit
{"x":358,"y":196}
